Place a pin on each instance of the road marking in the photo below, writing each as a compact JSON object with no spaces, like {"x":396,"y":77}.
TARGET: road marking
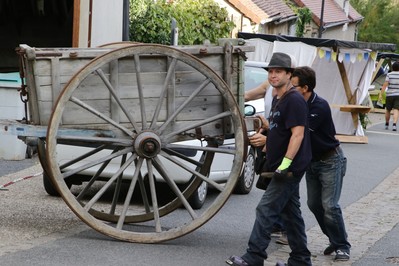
{"x":367,"y":221}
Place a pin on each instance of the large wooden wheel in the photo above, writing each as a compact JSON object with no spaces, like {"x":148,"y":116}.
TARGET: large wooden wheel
{"x":140,"y":122}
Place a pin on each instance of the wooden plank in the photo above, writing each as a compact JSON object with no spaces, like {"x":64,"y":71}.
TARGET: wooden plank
{"x":52,"y":68}
{"x":352,"y":139}
{"x":355,"y":108}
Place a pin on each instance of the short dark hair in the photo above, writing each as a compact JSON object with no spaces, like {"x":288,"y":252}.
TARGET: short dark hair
{"x":395,"y":66}
{"x":306,"y":76}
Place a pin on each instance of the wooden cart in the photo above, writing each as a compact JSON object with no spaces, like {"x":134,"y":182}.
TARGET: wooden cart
{"x":139,"y":107}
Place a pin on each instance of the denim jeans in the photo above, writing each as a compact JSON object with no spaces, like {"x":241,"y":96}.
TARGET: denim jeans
{"x":280,"y":198}
{"x":324,"y":184}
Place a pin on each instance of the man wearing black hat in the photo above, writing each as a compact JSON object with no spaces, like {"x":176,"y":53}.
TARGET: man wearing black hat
{"x":288,"y":155}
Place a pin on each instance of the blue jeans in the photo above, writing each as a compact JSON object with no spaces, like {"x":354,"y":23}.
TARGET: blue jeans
{"x":324,"y":183}
{"x":281,"y":198}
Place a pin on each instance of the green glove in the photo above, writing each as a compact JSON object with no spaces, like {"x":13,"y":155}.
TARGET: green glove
{"x":285,"y":164}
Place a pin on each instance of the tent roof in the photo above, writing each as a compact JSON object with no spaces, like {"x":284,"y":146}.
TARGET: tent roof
{"x":320,"y":42}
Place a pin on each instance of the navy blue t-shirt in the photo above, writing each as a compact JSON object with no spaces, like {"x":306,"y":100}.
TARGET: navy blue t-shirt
{"x":321,"y":126}
{"x":290,"y":111}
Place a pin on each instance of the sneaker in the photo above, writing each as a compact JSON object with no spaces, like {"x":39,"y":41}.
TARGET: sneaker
{"x":329,"y":250}
{"x":236,"y":261}
{"x":282,"y":240}
{"x":341,"y":255}
{"x":279,"y":263}
{"x":386,"y":126}
{"x":394,"y":128}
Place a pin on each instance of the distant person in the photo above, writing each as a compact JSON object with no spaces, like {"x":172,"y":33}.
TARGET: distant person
{"x":288,"y":155}
{"x":324,"y":176}
{"x":391,"y":88}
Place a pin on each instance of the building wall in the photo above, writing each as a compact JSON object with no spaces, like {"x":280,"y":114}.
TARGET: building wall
{"x":285,"y":28}
{"x":242,"y":23}
{"x":106,"y":22}
{"x":338,"y":32}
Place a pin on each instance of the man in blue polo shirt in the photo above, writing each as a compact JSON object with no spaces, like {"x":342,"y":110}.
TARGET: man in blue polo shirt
{"x":325,"y":174}
{"x":288,"y":154}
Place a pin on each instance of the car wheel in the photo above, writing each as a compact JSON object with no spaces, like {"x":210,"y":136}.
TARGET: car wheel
{"x":197,"y":200}
{"x":246,"y":180}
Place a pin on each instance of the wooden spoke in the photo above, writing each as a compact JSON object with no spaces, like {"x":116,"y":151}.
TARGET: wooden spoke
{"x":183,"y":105}
{"x":128,"y":131}
{"x":163,"y":92}
{"x":198,"y":124}
{"x":116,"y":98}
{"x":100,"y":115}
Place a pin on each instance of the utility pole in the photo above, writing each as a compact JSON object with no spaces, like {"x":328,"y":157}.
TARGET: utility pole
{"x":126,"y":21}
{"x":321,"y":27}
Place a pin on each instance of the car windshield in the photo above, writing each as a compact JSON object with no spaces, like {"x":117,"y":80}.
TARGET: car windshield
{"x":254,"y":76}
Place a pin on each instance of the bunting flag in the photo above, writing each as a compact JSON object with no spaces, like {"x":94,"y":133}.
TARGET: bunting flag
{"x":328,"y":55}
{"x":374,"y":55}
{"x":334,"y":56}
{"x":322,"y":53}
{"x":340,"y":57}
{"x":351,"y":57}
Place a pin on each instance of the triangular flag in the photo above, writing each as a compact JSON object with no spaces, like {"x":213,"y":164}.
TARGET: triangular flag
{"x":322,"y":53}
{"x":359,"y":57}
{"x":340,"y":57}
{"x":374,"y":55}
{"x":347,"y":57}
{"x":366,"y":56}
{"x":334,"y":56}
{"x":328,"y":55}
{"x":353,"y":58}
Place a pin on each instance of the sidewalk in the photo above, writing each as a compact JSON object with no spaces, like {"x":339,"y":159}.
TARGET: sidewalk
{"x":364,"y":230}
{"x":371,"y":223}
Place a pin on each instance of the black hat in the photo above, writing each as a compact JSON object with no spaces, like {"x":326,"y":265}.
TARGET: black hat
{"x":281,"y":60}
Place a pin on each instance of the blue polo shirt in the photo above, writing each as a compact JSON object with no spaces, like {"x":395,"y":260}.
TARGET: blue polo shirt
{"x":321,"y":126}
{"x":286,"y":113}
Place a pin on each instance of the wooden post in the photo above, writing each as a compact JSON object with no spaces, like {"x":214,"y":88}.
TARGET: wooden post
{"x":349,"y":96}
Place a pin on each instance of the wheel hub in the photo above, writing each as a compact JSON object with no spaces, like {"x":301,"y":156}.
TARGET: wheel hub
{"x":147,"y":144}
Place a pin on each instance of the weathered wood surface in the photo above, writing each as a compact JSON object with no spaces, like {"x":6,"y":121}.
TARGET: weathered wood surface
{"x":49,"y":70}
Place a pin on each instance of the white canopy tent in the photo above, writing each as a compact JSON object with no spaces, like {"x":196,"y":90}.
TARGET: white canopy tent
{"x":343,"y":71}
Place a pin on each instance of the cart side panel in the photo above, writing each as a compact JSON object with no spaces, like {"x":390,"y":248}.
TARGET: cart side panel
{"x":49,"y":73}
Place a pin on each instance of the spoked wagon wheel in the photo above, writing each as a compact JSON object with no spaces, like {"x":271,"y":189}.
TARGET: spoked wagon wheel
{"x":136,"y":123}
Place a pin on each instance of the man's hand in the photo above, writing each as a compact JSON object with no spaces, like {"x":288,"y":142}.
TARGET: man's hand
{"x":284,"y":164}
{"x":257,"y":140}
{"x":282,"y":170}
{"x":265,"y":123}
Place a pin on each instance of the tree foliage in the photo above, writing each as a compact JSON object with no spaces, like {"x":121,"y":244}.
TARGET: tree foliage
{"x":197,"y":20}
{"x":304,"y":17}
{"x":381,"y":21}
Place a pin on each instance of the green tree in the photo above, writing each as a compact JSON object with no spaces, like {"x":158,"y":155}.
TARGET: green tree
{"x":197,"y":20}
{"x":304,"y":17}
{"x":381,"y":21}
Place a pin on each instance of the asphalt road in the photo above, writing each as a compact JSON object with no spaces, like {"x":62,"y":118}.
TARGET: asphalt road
{"x":37,"y":229}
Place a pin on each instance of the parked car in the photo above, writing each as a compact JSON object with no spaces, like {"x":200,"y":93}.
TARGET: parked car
{"x":220,"y":169}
